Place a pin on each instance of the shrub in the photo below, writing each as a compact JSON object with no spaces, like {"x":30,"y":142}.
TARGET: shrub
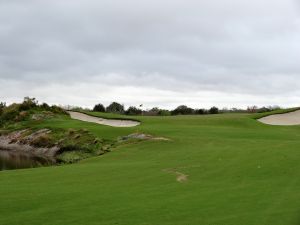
{"x":43,"y":141}
{"x":22,"y":116}
{"x":133,"y":111}
{"x":57,"y":109}
{"x":99,"y":108}
{"x":115,"y":108}
{"x":10,"y":112}
{"x":28,"y":103}
{"x":213,"y":110}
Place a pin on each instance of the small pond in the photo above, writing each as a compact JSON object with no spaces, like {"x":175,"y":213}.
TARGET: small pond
{"x":18,"y":160}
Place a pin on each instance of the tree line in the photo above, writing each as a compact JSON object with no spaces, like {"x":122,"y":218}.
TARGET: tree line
{"x":132,"y":110}
{"x":116,"y":107}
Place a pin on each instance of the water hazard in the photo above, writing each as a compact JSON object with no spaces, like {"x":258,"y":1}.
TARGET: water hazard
{"x":18,"y":160}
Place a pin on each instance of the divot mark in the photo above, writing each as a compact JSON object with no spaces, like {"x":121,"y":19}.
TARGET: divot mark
{"x":180,"y":177}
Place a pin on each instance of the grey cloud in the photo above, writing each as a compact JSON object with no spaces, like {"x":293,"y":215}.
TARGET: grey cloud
{"x":230,"y":46}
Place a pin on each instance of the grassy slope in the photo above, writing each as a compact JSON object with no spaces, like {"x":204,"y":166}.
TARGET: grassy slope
{"x":240,"y":172}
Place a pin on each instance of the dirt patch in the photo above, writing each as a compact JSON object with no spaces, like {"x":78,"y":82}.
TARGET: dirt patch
{"x":102,"y":121}
{"x":286,"y":119}
{"x":141,"y":136}
{"x":180,"y":177}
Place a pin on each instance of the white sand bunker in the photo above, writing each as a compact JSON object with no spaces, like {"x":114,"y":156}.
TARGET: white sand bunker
{"x":286,"y":119}
{"x":108,"y":122}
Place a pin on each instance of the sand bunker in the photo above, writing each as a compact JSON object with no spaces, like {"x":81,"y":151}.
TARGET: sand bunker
{"x":286,"y":119}
{"x":108,"y":122}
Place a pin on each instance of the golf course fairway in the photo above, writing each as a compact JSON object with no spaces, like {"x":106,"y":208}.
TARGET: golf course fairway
{"x":226,"y":169}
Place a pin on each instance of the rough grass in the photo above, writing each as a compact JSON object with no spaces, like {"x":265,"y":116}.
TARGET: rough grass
{"x":240,"y":172}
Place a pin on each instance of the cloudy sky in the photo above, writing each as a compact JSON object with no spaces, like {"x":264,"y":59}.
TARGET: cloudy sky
{"x":200,"y":53}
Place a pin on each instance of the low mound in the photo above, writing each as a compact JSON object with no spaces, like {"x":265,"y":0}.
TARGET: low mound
{"x":108,"y":122}
{"x":286,"y":119}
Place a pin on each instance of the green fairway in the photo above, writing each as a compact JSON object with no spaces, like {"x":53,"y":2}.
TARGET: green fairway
{"x":237,"y":172}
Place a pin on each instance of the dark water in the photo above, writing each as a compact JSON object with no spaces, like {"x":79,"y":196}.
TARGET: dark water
{"x":18,"y":160}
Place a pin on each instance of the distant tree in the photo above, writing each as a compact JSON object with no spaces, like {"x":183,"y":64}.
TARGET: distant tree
{"x":213,"y":110}
{"x":153,"y":112}
{"x":235,"y":110}
{"x":133,"y":111}
{"x":274,"y":107}
{"x":182,"y":110}
{"x":45,"y":106}
{"x":115,"y":107}
{"x":201,"y":111}
{"x":28,"y":103}
{"x":263,"y":109}
{"x":157,"y":112}
{"x":2,"y":106}
{"x":252,"y":109}
{"x":99,"y":108}
{"x":164,"y":112}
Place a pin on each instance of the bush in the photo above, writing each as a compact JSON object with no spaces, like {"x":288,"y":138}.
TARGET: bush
{"x":43,"y":141}
{"x":10,"y":112}
{"x":115,"y":108}
{"x":45,"y":106}
{"x":22,"y":116}
{"x":99,"y":108}
{"x":133,"y":111}
{"x":28,"y":103}
{"x":182,"y":110}
{"x":213,"y":110}
{"x":2,"y":106}
{"x":57,"y":109}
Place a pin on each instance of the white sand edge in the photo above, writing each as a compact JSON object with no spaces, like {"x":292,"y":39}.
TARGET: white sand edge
{"x":286,"y":119}
{"x":102,"y":121}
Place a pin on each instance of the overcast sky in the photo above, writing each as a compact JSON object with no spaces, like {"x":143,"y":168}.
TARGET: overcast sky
{"x":162,"y":53}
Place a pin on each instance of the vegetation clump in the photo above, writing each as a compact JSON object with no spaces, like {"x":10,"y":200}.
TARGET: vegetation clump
{"x":27,"y":110}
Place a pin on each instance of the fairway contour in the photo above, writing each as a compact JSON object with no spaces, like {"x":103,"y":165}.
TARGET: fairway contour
{"x":102,"y":121}
{"x":286,"y":119}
